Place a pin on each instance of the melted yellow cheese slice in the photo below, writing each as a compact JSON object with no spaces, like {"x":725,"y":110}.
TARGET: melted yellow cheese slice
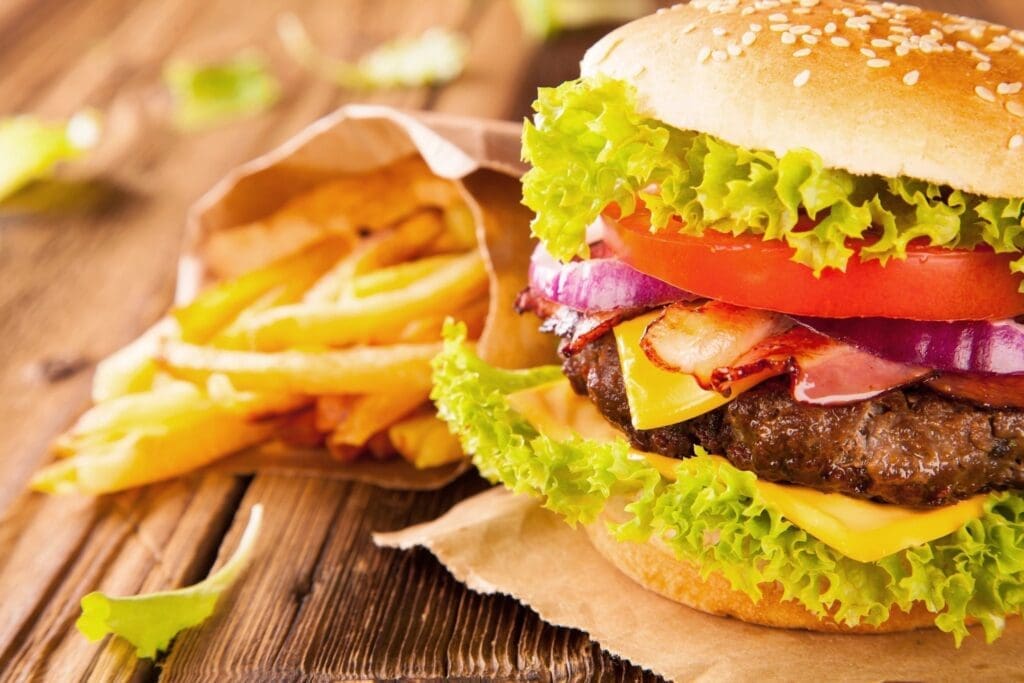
{"x":658,"y":397}
{"x":860,"y":529}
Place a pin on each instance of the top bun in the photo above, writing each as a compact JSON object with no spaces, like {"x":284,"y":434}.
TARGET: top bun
{"x":873,"y":88}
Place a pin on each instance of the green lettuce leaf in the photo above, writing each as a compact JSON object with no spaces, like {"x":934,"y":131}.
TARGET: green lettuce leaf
{"x":713,"y":514}
{"x":210,"y":94}
{"x":150,"y":621}
{"x":589,"y":148}
{"x":435,"y":56}
{"x":30,"y":148}
{"x":546,"y":18}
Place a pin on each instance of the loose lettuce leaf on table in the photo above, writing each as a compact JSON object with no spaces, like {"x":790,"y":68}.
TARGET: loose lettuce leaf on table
{"x":209,"y":94}
{"x":150,"y":621}
{"x":545,"y":18}
{"x":31,"y":148}
{"x":435,"y":56}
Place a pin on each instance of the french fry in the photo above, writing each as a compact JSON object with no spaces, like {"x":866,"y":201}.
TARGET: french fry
{"x":343,"y":206}
{"x":299,"y":430}
{"x":252,"y":405}
{"x":425,"y":441}
{"x":217,"y":306}
{"x":143,"y":457}
{"x":354,"y":370}
{"x":360,"y":320}
{"x":131,"y":369}
{"x":403,"y":241}
{"x":460,"y":231}
{"x":399,"y":276}
{"x":364,"y":416}
{"x":429,"y":328}
{"x":380,"y":447}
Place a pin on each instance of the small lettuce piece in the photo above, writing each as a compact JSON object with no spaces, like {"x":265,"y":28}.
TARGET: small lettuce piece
{"x":435,"y":56}
{"x":712,"y":514}
{"x":206,"y":95}
{"x":590,"y":147}
{"x":151,"y":621}
{"x":545,"y":18}
{"x":30,"y":148}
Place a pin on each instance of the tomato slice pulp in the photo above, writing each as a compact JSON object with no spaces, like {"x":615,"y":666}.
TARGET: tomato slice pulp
{"x":930,"y":284}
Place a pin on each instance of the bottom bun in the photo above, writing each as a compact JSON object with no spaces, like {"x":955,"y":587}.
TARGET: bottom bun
{"x":655,"y":567}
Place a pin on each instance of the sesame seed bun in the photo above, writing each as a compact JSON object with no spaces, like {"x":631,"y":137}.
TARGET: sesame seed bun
{"x":656,"y":568}
{"x":873,"y":88}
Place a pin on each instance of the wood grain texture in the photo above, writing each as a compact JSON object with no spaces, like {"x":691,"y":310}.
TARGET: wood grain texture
{"x":320,"y":602}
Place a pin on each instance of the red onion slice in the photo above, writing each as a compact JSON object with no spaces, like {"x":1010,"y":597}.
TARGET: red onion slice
{"x":598,"y":284}
{"x":973,"y":346}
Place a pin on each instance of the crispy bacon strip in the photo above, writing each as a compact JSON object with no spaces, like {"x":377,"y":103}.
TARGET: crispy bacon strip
{"x":576,"y":327}
{"x":698,"y":339}
{"x":730,"y":349}
{"x":822,"y":371}
{"x":1005,"y":391}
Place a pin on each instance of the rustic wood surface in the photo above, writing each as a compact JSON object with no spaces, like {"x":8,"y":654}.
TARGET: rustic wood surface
{"x":85,"y":276}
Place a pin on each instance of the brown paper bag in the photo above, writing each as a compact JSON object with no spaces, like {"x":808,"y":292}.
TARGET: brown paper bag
{"x":227,"y":235}
{"x":497,"y":542}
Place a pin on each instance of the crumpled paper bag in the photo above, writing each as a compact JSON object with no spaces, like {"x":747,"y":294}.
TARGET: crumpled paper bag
{"x":227,"y":234}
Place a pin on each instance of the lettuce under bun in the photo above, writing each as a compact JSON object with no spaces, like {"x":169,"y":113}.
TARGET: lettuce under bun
{"x":921,"y":107}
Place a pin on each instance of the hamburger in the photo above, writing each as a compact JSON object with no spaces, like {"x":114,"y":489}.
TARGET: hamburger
{"x":781,"y":245}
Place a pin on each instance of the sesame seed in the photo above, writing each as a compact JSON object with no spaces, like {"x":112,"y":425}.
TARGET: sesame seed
{"x":1015,"y":108}
{"x":964,"y":46}
{"x":800,"y":29}
{"x":881,"y":42}
{"x":809,"y":3}
{"x":983,"y":66}
{"x":779,"y":27}
{"x":809,"y":39}
{"x":704,"y":54}
{"x":1017,"y":141}
{"x":788,"y":38}
{"x":747,"y":11}
{"x":999,"y":44}
{"x":802,"y":53}
{"x":830,"y":27}
{"x":719,"y":31}
{"x":878,"y":63}
{"x":719,"y":55}
{"x":1009,"y":88}
{"x":800,"y":10}
{"x":689,"y":28}
{"x":868,"y":52}
{"x":984,"y":93}
{"x":902,"y":50}
{"x":748,"y":38}
{"x":912,"y":77}
{"x":756,"y":28}
{"x":839,"y":41}
{"x":778,"y":18}
{"x":802,"y":78}
{"x":734,"y":50}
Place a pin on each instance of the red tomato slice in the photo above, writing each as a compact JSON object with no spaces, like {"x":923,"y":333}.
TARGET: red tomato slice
{"x":931,"y":284}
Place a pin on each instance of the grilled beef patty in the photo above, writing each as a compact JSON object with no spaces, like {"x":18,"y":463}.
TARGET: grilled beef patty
{"x":909,"y":446}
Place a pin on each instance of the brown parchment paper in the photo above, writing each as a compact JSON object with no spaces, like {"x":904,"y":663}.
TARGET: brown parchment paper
{"x":226,"y":234}
{"x":497,"y":542}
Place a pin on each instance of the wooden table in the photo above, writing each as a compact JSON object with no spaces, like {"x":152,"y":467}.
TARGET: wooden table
{"x":78,"y":282}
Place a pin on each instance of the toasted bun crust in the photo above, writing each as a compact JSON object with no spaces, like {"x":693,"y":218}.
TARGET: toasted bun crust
{"x":653,"y":566}
{"x":799,"y":85}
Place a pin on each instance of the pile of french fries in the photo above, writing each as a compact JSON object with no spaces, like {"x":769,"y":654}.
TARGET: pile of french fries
{"x":330,"y":345}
